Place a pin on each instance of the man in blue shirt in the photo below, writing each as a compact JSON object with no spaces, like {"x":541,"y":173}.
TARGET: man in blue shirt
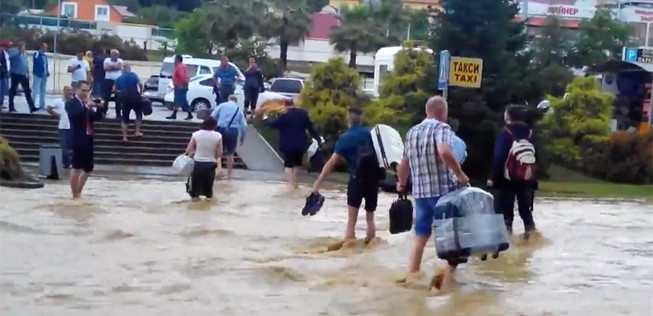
{"x":225,"y":78}
{"x":41,"y":74}
{"x":231,"y":122}
{"x":128,"y":88}
{"x":351,"y":146}
{"x":19,"y":75}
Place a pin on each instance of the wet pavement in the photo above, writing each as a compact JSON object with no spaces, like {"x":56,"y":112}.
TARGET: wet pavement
{"x":138,"y":247}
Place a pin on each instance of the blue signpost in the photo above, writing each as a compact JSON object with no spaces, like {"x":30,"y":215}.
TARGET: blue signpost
{"x":629,"y":54}
{"x":443,"y":73}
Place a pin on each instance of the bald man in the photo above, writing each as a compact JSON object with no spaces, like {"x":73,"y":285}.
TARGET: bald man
{"x":128,"y":88}
{"x":434,"y":171}
{"x":58,"y":109}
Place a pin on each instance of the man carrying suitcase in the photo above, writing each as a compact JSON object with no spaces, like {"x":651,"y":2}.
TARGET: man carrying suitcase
{"x":434,"y":170}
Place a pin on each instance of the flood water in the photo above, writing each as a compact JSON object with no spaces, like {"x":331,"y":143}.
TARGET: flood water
{"x":139,"y":248}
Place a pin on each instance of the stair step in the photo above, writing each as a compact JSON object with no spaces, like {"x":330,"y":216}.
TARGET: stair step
{"x":47,"y":119}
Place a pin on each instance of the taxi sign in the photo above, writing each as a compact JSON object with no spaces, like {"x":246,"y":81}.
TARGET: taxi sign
{"x":465,"y":72}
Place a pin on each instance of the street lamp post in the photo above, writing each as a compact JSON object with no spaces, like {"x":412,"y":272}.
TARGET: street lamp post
{"x":55,"y":80}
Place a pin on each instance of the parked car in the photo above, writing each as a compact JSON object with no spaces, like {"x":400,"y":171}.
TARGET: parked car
{"x":289,"y":87}
{"x":151,"y":89}
{"x":194,"y":67}
{"x":200,"y":93}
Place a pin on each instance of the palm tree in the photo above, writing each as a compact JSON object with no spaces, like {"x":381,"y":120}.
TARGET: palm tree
{"x":394,"y":19}
{"x":357,"y":33}
{"x":289,"y":22}
{"x":229,"y":23}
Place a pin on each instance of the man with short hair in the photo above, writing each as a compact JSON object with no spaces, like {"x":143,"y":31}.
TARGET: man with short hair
{"x":225,"y":78}
{"x":41,"y":73}
{"x":112,"y":70}
{"x":19,"y":76}
{"x":79,"y":69}
{"x":58,"y":109}
{"x":128,"y":89}
{"x":82,"y":113}
{"x":180,"y":80}
{"x":231,"y":123}
{"x":434,"y":171}
{"x":351,"y":146}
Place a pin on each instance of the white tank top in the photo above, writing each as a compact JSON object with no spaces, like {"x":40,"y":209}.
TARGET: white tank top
{"x":205,"y":144}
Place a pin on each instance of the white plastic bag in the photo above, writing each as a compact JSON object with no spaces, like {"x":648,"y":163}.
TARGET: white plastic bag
{"x":312,"y":149}
{"x":183,"y":165}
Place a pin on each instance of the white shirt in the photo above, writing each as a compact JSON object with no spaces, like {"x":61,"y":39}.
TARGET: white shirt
{"x":206,"y":143}
{"x":79,"y":74}
{"x":59,"y":107}
{"x":113,"y":74}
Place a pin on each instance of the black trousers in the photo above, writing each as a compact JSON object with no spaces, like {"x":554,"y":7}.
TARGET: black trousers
{"x":108,"y":88}
{"x":505,"y":203}
{"x":23,"y":81}
{"x":200,"y":182}
{"x":251,"y":97}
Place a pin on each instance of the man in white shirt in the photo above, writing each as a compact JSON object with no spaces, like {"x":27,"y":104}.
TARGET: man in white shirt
{"x":58,"y":109}
{"x":112,"y":70}
{"x":79,"y":69}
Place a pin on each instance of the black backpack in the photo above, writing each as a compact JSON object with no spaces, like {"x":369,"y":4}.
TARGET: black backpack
{"x":367,"y":165}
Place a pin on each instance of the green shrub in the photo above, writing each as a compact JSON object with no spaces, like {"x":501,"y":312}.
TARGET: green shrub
{"x":9,"y":161}
{"x":624,"y":157}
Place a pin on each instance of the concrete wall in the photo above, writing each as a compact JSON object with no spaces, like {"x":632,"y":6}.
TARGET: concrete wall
{"x":59,"y":76}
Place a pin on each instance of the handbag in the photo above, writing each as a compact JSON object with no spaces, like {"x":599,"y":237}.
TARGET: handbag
{"x":146,"y":106}
{"x":401,"y":215}
{"x":183,"y":165}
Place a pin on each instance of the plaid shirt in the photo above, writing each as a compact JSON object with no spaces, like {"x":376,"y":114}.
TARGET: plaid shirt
{"x":430,"y":176}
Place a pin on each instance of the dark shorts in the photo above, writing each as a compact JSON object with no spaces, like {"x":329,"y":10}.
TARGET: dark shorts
{"x":293,"y":158}
{"x":129,"y":103}
{"x":358,"y":191}
{"x":229,"y":140}
{"x":82,"y":158}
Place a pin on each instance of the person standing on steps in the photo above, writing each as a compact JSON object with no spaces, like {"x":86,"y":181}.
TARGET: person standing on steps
{"x":19,"y":74}
{"x":434,"y":171}
{"x":58,"y":109}
{"x":79,"y":69}
{"x":98,"y":73}
{"x":112,"y":70}
{"x":225,"y":78}
{"x":5,"y":66}
{"x":82,"y":113}
{"x":231,"y":123}
{"x":253,"y":85}
{"x":180,"y":84}
{"x":128,"y":89}
{"x":356,"y":147}
{"x":293,"y":143}
{"x":41,"y":73}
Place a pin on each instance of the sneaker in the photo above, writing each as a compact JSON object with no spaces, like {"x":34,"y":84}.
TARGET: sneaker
{"x":313,"y":204}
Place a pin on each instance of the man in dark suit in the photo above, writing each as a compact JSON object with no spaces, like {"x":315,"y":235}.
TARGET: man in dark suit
{"x":82,"y":114}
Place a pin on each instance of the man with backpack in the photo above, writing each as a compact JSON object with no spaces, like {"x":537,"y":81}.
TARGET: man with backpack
{"x":356,"y":147}
{"x":514,"y":169}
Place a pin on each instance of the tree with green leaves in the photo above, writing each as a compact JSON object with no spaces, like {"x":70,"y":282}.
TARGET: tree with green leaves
{"x":601,"y":38}
{"x":552,"y":54}
{"x":357,"y":33}
{"x":158,"y":15}
{"x":288,"y":24}
{"x":484,"y":29}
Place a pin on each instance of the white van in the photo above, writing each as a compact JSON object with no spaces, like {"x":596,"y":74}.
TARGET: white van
{"x":194,"y":66}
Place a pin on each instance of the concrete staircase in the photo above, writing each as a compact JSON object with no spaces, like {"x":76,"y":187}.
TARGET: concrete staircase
{"x":162,"y":142}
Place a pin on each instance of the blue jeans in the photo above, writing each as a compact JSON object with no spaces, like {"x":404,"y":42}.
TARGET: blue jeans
{"x":4,"y":89}
{"x":181,"y":99}
{"x":98,"y":87}
{"x":38,"y":88}
{"x":65,"y":142}
{"x":424,"y":215}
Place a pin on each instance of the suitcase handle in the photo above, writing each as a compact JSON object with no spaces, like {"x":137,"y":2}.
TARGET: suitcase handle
{"x":402,"y":195}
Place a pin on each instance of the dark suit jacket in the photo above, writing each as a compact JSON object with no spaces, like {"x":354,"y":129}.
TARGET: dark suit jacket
{"x":4,"y":72}
{"x":77,"y":113}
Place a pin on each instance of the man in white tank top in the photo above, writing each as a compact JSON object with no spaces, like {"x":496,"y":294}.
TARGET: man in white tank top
{"x":112,"y":70}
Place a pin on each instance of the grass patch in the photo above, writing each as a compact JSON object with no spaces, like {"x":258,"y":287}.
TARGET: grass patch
{"x":563,"y":181}
{"x":270,"y":135}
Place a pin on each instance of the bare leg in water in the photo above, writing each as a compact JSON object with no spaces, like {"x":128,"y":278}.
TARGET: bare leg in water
{"x":442,"y":278}
{"x":78,"y":180}
{"x":230,"y":165}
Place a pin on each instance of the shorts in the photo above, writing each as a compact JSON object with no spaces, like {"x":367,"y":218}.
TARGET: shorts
{"x":229,"y":140}
{"x":82,"y":158}
{"x":181,"y":98}
{"x":358,"y":191}
{"x":129,"y":103}
{"x":424,"y":215}
{"x":293,"y":158}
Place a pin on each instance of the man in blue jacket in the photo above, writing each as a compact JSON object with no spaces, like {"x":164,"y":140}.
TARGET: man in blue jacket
{"x":19,"y":74}
{"x":41,"y":74}
{"x":513,"y":170}
{"x":82,"y":114}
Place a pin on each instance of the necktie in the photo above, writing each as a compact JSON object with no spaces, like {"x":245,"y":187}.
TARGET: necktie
{"x":89,"y":126}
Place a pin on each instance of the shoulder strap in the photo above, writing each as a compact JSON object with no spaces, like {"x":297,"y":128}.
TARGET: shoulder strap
{"x":383,"y":156}
{"x":233,"y":117}
{"x":509,"y":132}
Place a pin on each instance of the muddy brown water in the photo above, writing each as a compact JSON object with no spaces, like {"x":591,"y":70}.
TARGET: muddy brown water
{"x":139,"y":248}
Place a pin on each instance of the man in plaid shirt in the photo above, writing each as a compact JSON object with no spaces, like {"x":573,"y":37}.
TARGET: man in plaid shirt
{"x":434,"y":171}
